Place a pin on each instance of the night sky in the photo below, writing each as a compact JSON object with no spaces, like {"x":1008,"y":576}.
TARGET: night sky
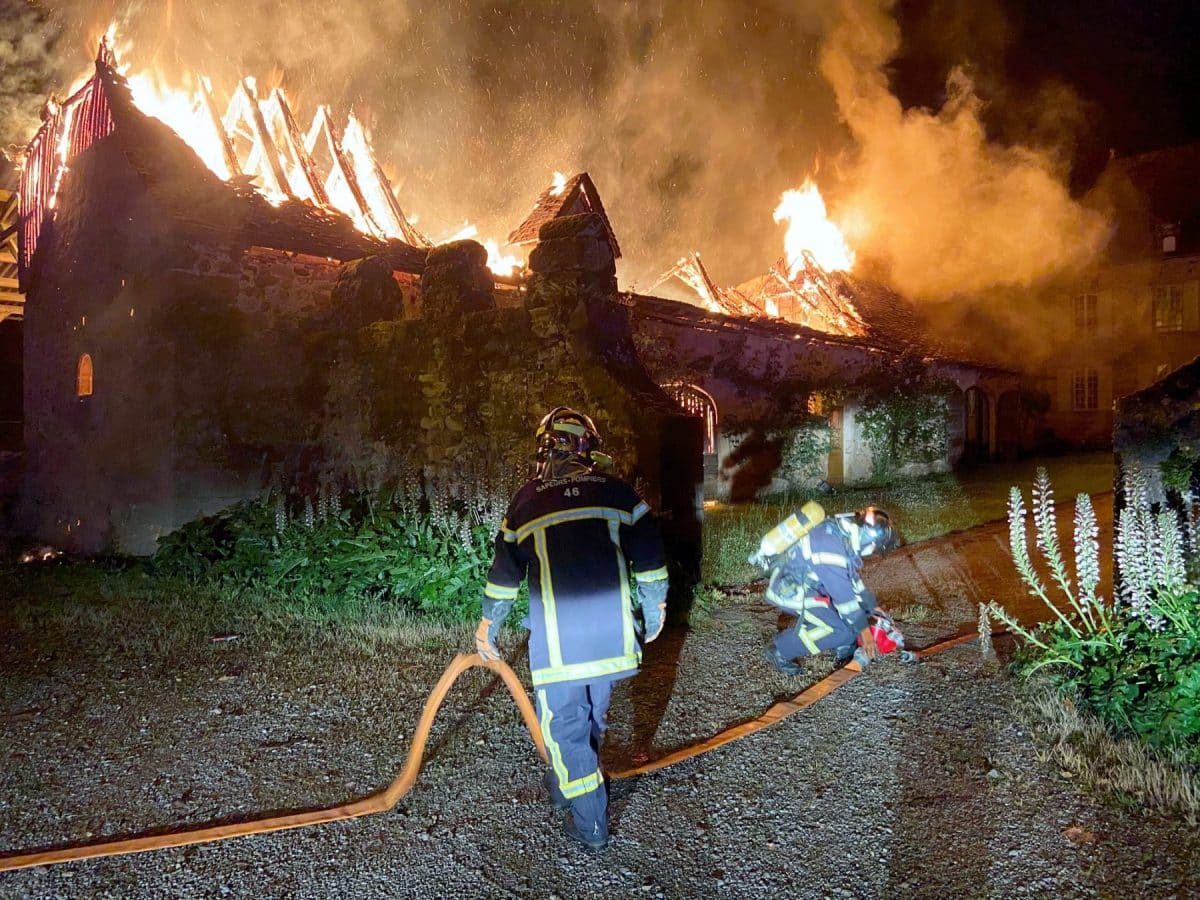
{"x":1132,"y":63}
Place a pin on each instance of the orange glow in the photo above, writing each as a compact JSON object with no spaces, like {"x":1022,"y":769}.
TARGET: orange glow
{"x":256,"y":136}
{"x":500,"y":263}
{"x":558,"y":184}
{"x":810,"y":232}
{"x":184,"y":113}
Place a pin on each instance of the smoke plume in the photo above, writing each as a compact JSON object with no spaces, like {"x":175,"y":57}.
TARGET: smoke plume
{"x":28,"y":69}
{"x":928,"y":196}
{"x":692,"y":119}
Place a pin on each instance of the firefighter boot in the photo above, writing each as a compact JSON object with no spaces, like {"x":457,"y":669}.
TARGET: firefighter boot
{"x":550,"y":782}
{"x":777,"y":660}
{"x":593,"y":837}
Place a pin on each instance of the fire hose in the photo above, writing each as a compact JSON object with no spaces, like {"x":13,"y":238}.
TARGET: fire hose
{"x":384,"y":800}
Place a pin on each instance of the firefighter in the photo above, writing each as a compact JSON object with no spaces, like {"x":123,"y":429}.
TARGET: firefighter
{"x":815,"y":565}
{"x":577,"y":533}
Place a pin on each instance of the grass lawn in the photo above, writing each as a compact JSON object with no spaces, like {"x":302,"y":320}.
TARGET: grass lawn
{"x":923,"y":508}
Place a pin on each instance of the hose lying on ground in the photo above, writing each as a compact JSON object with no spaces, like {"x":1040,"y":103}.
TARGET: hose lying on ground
{"x":383,"y":800}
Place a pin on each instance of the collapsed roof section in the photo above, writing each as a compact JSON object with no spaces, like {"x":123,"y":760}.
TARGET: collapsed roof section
{"x":575,"y":196}
{"x":812,"y":298}
{"x":322,"y":193}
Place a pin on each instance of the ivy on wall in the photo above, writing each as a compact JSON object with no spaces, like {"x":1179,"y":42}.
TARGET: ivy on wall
{"x":905,"y":417}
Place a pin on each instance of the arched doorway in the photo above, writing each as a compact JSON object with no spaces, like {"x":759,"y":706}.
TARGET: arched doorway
{"x":977,"y":414}
{"x":699,"y":403}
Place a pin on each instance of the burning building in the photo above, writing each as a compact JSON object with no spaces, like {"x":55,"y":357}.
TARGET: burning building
{"x":224,"y":301}
{"x":191,"y":338}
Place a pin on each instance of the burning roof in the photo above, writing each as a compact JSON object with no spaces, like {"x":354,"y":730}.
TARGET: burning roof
{"x":566,"y":197}
{"x":322,"y":193}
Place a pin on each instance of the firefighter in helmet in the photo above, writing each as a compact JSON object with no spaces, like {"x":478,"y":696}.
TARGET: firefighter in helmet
{"x":815,"y":565}
{"x":577,"y":533}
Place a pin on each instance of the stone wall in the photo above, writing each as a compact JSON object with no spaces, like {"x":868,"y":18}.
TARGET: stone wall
{"x":222,"y":369}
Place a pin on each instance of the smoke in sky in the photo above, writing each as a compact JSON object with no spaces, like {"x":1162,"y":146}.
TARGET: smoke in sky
{"x":28,"y":69}
{"x":927,"y":195}
{"x":692,"y":118}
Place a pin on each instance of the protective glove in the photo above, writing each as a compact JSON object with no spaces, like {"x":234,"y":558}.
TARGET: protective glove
{"x":652,"y":596}
{"x":494,"y":614}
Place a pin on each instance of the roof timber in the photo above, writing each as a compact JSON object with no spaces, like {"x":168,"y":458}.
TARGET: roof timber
{"x":12,"y":301}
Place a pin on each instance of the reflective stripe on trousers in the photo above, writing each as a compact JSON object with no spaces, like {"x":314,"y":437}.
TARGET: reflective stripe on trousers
{"x":573,"y":723}
{"x":818,"y":629}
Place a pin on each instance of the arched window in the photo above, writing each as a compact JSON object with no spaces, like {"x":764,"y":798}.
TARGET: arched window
{"x":83,"y":376}
{"x":697,"y":402}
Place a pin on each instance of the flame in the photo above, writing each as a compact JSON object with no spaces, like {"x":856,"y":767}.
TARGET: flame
{"x":183,"y":112}
{"x":257,"y":136}
{"x":558,"y":184}
{"x":500,"y":263}
{"x":810,"y":232}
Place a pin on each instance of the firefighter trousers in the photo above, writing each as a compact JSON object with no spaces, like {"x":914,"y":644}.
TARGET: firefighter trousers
{"x":573,"y":721}
{"x":818,"y":629}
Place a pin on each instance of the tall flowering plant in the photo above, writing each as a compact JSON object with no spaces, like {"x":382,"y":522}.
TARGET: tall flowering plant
{"x":1135,"y":659}
{"x":1082,"y":620}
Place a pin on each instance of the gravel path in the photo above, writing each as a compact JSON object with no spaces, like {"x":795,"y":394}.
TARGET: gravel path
{"x":912,"y":780}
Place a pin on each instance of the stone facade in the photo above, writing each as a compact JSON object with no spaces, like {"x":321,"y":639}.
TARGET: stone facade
{"x":219,"y":368}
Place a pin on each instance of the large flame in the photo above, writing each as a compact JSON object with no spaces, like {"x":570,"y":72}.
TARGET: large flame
{"x":256,"y":136}
{"x":810,"y":232}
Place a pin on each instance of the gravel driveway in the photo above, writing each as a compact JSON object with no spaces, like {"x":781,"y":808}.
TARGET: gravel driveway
{"x":911,"y":780}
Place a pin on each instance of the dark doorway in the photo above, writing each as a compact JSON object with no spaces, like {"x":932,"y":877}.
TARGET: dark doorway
{"x":1008,"y":425}
{"x":11,"y":384}
{"x":977,"y":425}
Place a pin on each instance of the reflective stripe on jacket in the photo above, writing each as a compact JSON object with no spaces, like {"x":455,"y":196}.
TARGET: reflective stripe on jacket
{"x":825,"y":561}
{"x":578,"y":539}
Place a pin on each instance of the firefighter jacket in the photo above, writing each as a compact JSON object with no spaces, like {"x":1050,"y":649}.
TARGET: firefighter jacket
{"x":577,"y":539}
{"x":826,"y":562}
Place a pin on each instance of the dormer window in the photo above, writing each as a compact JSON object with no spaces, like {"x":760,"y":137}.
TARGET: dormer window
{"x":83,"y":376}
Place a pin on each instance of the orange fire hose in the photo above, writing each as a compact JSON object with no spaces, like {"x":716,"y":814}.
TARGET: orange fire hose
{"x":384,"y":800}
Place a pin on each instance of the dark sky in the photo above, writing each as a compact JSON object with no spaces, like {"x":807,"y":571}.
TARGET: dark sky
{"x":1132,"y":62}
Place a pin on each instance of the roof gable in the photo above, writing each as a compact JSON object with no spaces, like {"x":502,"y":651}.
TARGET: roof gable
{"x":577,"y":196}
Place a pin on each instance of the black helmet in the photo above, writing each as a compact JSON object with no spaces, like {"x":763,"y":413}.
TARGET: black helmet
{"x":564,"y":430}
{"x":875,"y":531}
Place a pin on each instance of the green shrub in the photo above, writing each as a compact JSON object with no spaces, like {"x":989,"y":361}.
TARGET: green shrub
{"x":1135,"y":662}
{"x":426,"y":546}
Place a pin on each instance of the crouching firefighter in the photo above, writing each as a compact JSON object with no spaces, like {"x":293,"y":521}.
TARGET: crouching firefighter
{"x":815,"y":563}
{"x":577,"y":533}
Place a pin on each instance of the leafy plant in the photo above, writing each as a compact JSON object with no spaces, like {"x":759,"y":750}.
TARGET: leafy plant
{"x":426,"y":546}
{"x":905,"y":421}
{"x":1134,"y":661}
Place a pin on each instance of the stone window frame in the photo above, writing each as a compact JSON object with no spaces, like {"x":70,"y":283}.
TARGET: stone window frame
{"x":85,"y":372}
{"x":1168,"y":307}
{"x":1086,"y":306}
{"x":1085,"y":389}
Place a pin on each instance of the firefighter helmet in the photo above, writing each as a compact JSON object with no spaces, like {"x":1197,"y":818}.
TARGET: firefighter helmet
{"x":566,"y":431}
{"x":876,"y":534}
